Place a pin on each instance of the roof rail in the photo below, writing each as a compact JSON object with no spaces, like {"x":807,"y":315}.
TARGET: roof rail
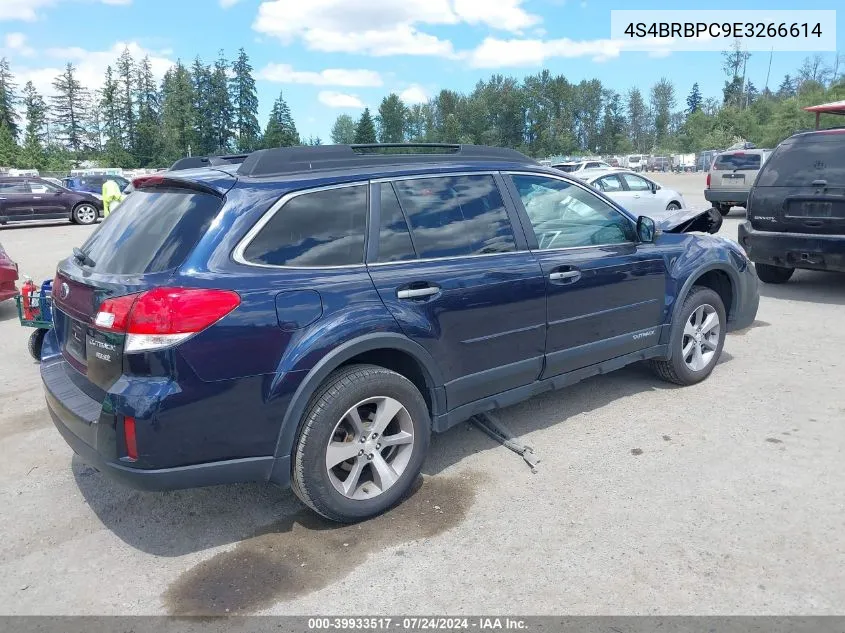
{"x":282,"y":160}
{"x":192,"y":162}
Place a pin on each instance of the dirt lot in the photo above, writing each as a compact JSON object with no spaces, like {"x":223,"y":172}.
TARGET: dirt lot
{"x":723,"y":498}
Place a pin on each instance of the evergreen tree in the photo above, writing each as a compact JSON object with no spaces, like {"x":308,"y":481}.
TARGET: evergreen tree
{"x":9,"y":150}
{"x":281,"y":130}
{"x":32,"y":154}
{"x":787,"y":87}
{"x":391,"y":119}
{"x":637,"y":120}
{"x":343,"y":130}
{"x":110,"y":113}
{"x":694,"y":99}
{"x":662,"y":102}
{"x":148,"y":147}
{"x":245,"y":104}
{"x":203,"y":114}
{"x":68,"y":109}
{"x":126,"y":76}
{"x":221,"y":106}
{"x":8,"y":99}
{"x":178,"y":113}
{"x":365,"y":131}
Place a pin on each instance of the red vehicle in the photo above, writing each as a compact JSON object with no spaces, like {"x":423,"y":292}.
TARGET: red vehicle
{"x":8,"y":276}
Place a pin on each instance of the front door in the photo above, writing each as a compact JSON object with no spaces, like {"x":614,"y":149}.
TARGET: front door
{"x":47,"y":199}
{"x":605,"y":291}
{"x":460,"y":282}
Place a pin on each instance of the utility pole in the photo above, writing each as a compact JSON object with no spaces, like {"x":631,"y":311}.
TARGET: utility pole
{"x":769,"y":72}
{"x":189,"y":151}
{"x":744,"y":87}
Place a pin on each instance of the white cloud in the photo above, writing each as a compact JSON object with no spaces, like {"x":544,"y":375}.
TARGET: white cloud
{"x":28,"y":10}
{"x":493,"y":52}
{"x":383,"y":27}
{"x":413,"y":94}
{"x":285,"y":73}
{"x":15,"y":44}
{"x":228,"y":3}
{"x":90,"y":65}
{"x":339,"y":100}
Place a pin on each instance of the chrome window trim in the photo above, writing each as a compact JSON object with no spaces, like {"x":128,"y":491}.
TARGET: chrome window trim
{"x":441,"y":174}
{"x":238,"y":253}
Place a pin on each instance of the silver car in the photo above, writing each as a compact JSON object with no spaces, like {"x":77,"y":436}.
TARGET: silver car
{"x":635,"y":192}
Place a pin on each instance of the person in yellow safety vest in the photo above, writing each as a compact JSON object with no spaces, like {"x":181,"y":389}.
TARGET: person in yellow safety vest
{"x":111,"y":196}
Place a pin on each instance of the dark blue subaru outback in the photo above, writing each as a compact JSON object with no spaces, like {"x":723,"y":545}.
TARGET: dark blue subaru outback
{"x":309,"y":315}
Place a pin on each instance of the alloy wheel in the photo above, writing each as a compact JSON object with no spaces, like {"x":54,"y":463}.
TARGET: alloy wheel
{"x":86,"y":214}
{"x":370,"y":448}
{"x":701,"y":337}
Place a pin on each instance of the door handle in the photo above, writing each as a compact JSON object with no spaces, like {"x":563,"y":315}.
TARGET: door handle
{"x":567,"y":275}
{"x":36,"y":197}
{"x":417,"y":293}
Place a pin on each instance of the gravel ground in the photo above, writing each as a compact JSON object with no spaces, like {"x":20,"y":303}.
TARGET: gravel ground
{"x":722,"y":498}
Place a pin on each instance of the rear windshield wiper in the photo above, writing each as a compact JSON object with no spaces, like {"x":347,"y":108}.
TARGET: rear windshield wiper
{"x":82,"y":257}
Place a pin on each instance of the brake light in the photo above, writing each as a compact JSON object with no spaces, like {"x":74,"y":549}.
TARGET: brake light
{"x":129,"y":436}
{"x":147,"y":181}
{"x":708,"y":180}
{"x":163,"y":317}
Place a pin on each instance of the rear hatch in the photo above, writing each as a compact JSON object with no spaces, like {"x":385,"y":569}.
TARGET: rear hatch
{"x":135,"y":249}
{"x":735,"y":171}
{"x":801,"y":188}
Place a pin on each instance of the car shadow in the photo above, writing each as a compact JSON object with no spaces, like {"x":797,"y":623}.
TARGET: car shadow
{"x":8,"y":310}
{"x":32,"y":224}
{"x":185,"y":521}
{"x":809,"y":285}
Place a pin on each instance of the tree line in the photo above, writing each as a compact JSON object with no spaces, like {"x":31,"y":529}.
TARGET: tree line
{"x":212,"y":108}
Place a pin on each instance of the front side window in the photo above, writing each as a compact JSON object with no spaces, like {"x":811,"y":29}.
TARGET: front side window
{"x":609,"y":184}
{"x":43,"y":187}
{"x":456,"y":215}
{"x":635,"y":183}
{"x":568,"y":216}
{"x":317,"y":228}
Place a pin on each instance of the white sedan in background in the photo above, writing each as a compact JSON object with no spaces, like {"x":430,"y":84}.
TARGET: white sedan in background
{"x":636,"y":193}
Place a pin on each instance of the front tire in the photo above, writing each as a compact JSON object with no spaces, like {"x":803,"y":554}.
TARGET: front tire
{"x":698,"y":335}
{"x":361,"y":444}
{"x":84,"y":213}
{"x":773,"y":274}
{"x":673,"y":206}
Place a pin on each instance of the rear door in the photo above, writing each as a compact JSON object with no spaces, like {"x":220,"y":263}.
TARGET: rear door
{"x":16,"y":199}
{"x":801,"y":188}
{"x":460,"y":282}
{"x":605,"y":291}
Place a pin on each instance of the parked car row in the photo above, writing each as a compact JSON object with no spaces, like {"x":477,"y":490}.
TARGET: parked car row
{"x":30,"y":198}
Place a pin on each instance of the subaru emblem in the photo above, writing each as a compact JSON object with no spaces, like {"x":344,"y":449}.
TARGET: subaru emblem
{"x":65,"y":291}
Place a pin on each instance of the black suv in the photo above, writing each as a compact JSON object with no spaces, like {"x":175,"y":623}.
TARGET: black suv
{"x":796,"y":208}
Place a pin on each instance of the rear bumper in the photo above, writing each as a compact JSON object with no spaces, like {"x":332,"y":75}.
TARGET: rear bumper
{"x":89,"y":428}
{"x":793,"y":250}
{"x":726,"y":196}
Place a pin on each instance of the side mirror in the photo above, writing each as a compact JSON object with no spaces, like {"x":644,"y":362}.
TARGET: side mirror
{"x":645,"y":229}
{"x":654,"y":187}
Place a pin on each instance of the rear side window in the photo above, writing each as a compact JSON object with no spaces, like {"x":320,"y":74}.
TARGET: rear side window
{"x":14,"y":187}
{"x":394,"y":238}
{"x":799,"y":164}
{"x":456,"y":215}
{"x":737,"y":161}
{"x":153,"y":230}
{"x":318,"y":228}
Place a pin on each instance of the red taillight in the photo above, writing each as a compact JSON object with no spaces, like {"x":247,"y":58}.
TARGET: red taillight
{"x":147,"y":181}
{"x":708,"y":180}
{"x":129,"y":436}
{"x":164,"y":316}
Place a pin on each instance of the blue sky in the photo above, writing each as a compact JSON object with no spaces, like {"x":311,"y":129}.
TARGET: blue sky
{"x":334,"y":56}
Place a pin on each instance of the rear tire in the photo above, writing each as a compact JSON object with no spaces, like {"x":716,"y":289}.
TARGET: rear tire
{"x":697,"y":338}
{"x":773,"y":274}
{"x":673,"y":206}
{"x":377,"y":420}
{"x":84,"y":213}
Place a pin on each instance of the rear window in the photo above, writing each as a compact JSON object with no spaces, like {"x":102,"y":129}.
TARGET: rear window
{"x":737,"y":161}
{"x":799,"y":164}
{"x":153,"y":230}
{"x":318,"y":228}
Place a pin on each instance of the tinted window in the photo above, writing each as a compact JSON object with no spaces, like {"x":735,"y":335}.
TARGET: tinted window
{"x":456,"y":215}
{"x":43,"y":187}
{"x":609,"y":183}
{"x":14,"y":187}
{"x":567,"y":167}
{"x":635,"y":183}
{"x":151,"y":231}
{"x":799,"y":164}
{"x":737,"y":161}
{"x":566,"y":216}
{"x":319,"y":228}
{"x":394,"y":238}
